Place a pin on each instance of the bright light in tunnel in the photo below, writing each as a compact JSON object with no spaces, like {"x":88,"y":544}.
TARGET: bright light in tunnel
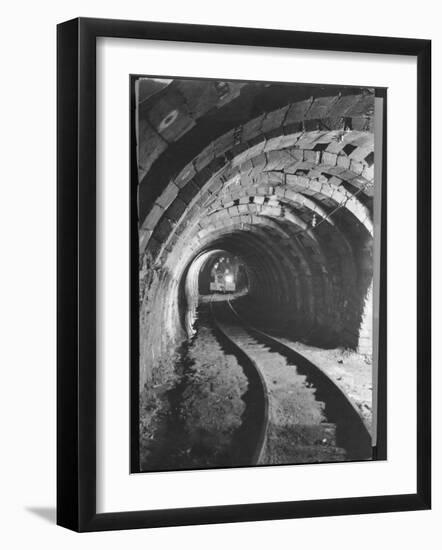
{"x":229,"y":278}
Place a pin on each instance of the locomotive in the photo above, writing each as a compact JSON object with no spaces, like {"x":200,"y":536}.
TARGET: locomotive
{"x":223,"y":282}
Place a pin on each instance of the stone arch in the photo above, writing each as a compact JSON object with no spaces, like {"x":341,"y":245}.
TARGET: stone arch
{"x":290,"y":190}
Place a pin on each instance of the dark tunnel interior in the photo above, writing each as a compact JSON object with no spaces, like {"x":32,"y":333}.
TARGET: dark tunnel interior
{"x":277,"y":178}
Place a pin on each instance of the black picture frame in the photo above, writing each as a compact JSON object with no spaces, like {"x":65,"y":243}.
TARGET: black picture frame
{"x":76,"y":274}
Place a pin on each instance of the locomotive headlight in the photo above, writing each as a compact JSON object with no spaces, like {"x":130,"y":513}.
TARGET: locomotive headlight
{"x":229,"y":278}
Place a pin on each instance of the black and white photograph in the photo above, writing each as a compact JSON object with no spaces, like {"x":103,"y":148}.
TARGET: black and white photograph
{"x":255,"y":255}
{"x":218,"y":262}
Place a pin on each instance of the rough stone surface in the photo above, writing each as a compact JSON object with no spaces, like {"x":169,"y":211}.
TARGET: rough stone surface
{"x":287,"y":187}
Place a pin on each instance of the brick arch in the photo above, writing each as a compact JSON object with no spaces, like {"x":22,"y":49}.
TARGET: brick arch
{"x":228,"y":209}
{"x":341,"y":112}
{"x":321,"y":292}
{"x":307,"y":161}
{"x":330,"y":184}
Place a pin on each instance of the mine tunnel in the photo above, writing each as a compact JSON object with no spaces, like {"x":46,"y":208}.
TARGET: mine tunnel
{"x":264,"y":186}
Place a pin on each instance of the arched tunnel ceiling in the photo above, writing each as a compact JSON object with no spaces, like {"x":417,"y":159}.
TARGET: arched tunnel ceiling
{"x":281,"y":175}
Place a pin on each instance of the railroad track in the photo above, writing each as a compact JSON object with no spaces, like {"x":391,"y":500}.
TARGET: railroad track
{"x":253,"y":434}
{"x":296,"y":413}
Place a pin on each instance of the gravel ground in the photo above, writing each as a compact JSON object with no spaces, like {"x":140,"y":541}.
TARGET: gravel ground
{"x":350,"y":371}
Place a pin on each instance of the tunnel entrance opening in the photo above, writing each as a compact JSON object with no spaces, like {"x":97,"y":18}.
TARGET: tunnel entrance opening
{"x":213,"y":275}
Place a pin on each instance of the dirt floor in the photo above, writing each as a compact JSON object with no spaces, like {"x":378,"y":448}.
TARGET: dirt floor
{"x":193,"y":421}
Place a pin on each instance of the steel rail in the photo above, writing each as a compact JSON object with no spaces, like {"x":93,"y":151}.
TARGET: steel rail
{"x":256,"y":382}
{"x":347,"y":410}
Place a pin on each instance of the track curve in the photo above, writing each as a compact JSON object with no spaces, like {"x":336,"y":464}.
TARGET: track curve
{"x":255,"y":421}
{"x":305,"y":416}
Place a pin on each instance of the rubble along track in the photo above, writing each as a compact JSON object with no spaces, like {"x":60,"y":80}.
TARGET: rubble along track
{"x":300,"y":415}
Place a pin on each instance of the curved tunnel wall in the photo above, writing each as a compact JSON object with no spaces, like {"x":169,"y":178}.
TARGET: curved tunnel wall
{"x":290,"y":192}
